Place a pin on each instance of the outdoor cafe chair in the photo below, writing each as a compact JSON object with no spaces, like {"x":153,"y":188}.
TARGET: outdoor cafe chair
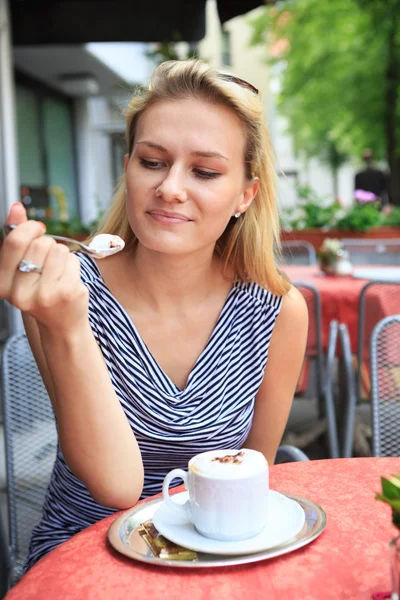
{"x":297,"y":252}
{"x":385,"y":387}
{"x":31,"y":444}
{"x":319,"y":370}
{"x":358,"y":380}
{"x":388,"y":293}
{"x":372,"y":252}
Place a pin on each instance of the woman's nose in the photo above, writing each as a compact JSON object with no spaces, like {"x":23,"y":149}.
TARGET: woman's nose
{"x":173,"y":187}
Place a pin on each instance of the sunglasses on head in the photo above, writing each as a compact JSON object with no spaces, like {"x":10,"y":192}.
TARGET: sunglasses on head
{"x":238,"y":81}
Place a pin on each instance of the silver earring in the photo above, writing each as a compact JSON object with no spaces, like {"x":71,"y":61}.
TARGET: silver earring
{"x":126,"y":191}
{"x":237,"y":214}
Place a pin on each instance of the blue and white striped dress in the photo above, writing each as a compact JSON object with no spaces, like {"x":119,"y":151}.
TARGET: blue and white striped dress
{"x":214,"y":410}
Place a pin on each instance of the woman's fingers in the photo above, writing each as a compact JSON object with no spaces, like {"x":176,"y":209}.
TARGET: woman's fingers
{"x":25,"y":285}
{"x":70,"y":282}
{"x":17,"y":214}
{"x":53,"y":269}
{"x":14,"y":249}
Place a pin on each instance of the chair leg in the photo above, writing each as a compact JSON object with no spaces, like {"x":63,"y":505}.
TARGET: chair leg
{"x":350,"y":412}
{"x":330,"y":409}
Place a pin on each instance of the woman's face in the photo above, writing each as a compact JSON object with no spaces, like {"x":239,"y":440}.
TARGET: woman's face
{"x":185,"y":177}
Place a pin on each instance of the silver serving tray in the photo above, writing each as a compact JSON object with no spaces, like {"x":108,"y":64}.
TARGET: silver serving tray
{"x":123,"y":535}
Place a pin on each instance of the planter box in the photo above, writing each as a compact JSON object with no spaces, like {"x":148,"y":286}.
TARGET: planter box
{"x":317,"y":236}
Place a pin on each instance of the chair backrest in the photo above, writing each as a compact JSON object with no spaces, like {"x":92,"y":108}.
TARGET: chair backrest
{"x":378,"y":299}
{"x":297,"y":252}
{"x":373,"y":252}
{"x":31,"y":445}
{"x":385,"y":388}
{"x":314,"y":338}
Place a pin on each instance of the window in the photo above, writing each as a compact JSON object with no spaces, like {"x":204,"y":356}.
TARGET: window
{"x":46,"y":150}
{"x":226,"y":48}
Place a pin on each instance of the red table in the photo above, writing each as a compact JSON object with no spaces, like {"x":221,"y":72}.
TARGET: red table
{"x":350,"y":560}
{"x":339,"y":300}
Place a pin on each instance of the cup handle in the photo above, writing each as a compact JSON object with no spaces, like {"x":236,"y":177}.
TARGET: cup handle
{"x":182,"y":509}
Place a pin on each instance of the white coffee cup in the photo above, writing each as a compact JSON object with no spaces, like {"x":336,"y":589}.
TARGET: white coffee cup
{"x":228,"y":493}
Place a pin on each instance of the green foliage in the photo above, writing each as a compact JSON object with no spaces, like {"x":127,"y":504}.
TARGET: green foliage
{"x":392,"y":218}
{"x":334,"y":80}
{"x":361,"y":217}
{"x":312,"y":211}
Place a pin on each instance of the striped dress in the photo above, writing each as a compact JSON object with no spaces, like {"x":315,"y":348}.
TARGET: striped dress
{"x":214,"y":410}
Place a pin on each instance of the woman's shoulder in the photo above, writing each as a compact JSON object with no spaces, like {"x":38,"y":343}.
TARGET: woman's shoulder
{"x":260,"y":295}
{"x":294,"y":307}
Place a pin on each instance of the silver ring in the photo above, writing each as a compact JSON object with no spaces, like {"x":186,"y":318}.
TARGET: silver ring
{"x":26,"y":266}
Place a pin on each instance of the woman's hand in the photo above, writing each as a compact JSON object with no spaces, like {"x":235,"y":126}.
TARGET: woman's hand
{"x":56,"y":297}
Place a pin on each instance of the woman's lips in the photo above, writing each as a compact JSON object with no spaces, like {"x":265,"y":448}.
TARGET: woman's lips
{"x":171,"y":218}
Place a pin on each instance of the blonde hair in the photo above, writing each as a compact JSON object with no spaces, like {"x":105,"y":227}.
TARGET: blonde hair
{"x":249,"y":244}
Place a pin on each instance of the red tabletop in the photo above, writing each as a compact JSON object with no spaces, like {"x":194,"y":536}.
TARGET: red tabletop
{"x":350,"y":560}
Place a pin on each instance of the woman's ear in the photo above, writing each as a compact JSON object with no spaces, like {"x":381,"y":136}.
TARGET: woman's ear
{"x":249,"y":193}
{"x":126,"y":160}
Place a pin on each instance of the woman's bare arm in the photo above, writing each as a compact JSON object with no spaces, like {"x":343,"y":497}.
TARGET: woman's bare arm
{"x":285,"y":358}
{"x":97,"y":440}
{"x":95,"y":436}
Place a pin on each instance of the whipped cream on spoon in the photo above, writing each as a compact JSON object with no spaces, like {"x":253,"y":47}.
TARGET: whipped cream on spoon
{"x":101,"y":246}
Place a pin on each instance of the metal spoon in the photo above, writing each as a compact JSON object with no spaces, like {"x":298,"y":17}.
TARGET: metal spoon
{"x":99,"y":247}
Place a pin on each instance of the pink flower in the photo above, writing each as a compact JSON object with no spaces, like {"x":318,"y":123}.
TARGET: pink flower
{"x":363,"y":196}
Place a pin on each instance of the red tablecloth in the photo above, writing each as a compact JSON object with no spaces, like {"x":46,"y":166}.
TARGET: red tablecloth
{"x":339,"y":300}
{"x":350,"y":560}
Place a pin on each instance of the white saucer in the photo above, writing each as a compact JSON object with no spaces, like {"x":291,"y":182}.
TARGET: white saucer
{"x":379,"y":273}
{"x":285,"y":520}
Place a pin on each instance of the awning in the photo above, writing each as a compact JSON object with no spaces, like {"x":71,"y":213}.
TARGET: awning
{"x":82,"y":21}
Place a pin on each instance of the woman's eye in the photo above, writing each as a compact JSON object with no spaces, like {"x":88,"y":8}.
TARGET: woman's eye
{"x":150,"y":164}
{"x":206,"y":174}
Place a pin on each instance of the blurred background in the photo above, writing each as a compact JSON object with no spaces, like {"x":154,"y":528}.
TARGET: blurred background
{"x":329,"y":79}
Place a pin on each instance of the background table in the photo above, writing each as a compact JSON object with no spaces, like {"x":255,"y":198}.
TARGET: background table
{"x":350,"y":559}
{"x":340,"y":300}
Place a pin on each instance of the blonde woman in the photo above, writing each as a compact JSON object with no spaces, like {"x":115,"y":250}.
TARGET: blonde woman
{"x":188,"y":340}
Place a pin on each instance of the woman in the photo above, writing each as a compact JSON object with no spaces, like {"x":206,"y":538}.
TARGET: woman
{"x":160,"y":352}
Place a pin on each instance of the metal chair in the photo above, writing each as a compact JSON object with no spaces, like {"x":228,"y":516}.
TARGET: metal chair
{"x":314,"y":350}
{"x":373,"y":252}
{"x":287,"y":453}
{"x":387,"y":295}
{"x":348,"y":404}
{"x":385,"y":390}
{"x":297,"y":252}
{"x":322,"y":368}
{"x":31,"y":444}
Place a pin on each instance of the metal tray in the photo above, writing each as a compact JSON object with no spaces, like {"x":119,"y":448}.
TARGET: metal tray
{"x":123,"y":535}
